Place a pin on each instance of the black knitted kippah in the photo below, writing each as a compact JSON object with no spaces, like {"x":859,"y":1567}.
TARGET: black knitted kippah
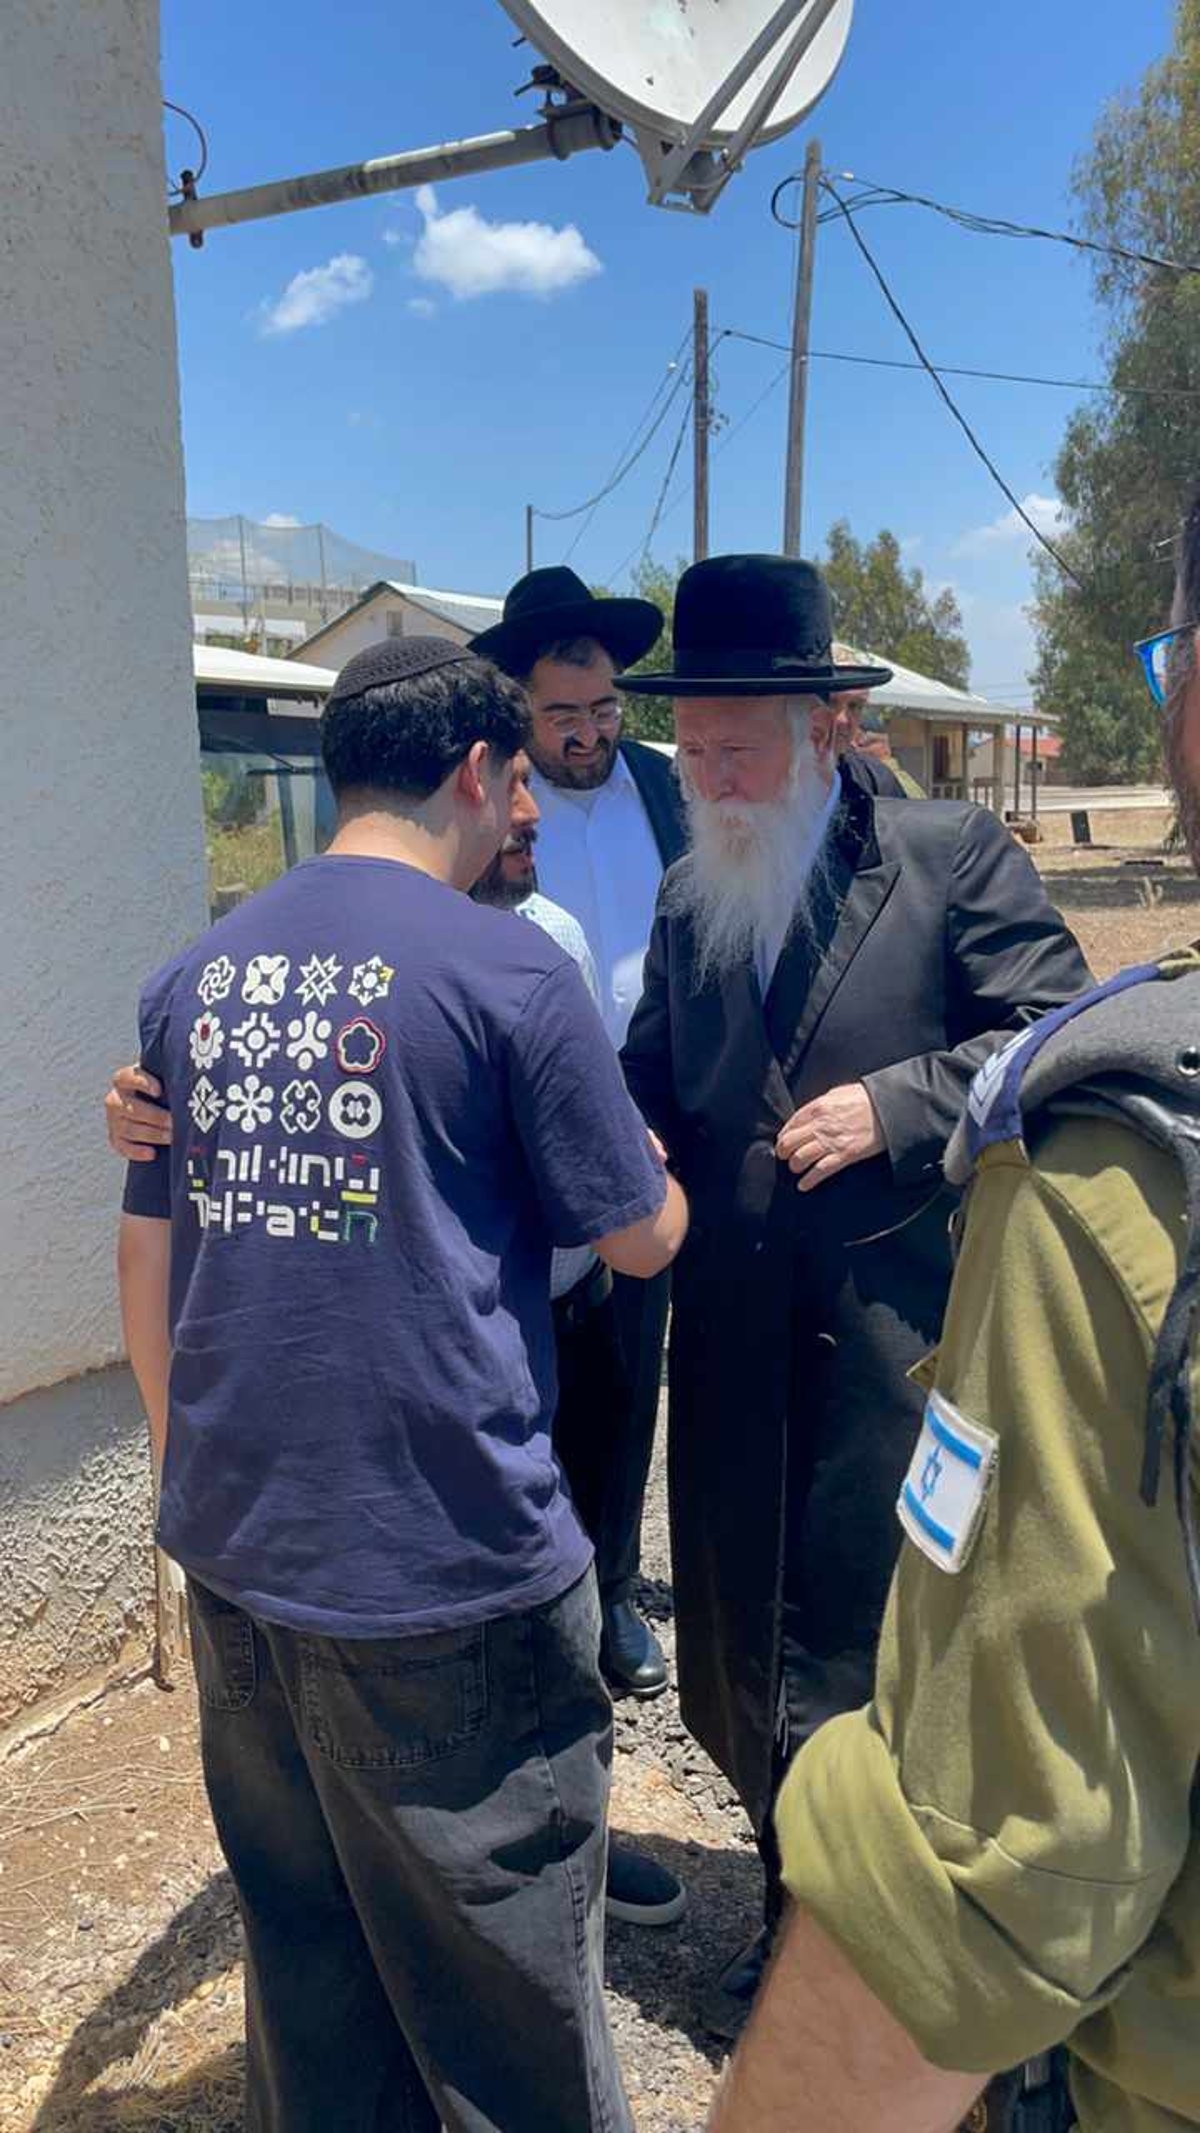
{"x":395,"y":659}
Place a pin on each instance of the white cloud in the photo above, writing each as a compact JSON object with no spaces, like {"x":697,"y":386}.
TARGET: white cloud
{"x":1048,"y":513}
{"x":468,"y":256}
{"x":281,"y":518}
{"x":318,"y":294}
{"x":398,"y":237}
{"x":422,"y":306}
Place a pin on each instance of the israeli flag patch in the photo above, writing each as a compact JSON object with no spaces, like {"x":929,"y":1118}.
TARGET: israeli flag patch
{"x":945,"y":1490}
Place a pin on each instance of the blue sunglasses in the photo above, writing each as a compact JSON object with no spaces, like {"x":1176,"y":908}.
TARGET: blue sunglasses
{"x":1156,"y":654}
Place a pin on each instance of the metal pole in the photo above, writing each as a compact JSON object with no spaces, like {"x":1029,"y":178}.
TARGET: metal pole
{"x":793,"y":497}
{"x":321,"y":555}
{"x":566,"y":131}
{"x":700,"y":424}
{"x":245,"y":586}
{"x":528,"y":537}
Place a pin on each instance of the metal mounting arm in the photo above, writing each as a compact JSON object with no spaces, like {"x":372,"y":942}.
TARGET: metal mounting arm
{"x":568,"y":127}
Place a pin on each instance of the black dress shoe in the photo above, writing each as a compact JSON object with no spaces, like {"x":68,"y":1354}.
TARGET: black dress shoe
{"x":640,"y":1891}
{"x":631,"y":1657}
{"x":728,"y":2005}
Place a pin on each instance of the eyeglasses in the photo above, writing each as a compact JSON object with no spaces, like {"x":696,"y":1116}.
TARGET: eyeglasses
{"x":1159,"y":654}
{"x":569,"y":725}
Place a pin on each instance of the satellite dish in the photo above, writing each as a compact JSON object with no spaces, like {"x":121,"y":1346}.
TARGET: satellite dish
{"x":699,"y":82}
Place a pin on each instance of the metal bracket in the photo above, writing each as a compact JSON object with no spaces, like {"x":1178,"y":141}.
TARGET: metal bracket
{"x":689,"y":176}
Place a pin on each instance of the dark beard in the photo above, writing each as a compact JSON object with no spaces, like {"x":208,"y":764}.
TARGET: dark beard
{"x":563,"y":771}
{"x":501,"y":895}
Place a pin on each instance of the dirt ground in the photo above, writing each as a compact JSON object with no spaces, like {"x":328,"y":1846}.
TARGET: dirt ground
{"x":120,"y":1985}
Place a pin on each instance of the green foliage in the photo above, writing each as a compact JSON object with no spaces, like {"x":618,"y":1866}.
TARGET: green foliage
{"x":650,"y":718}
{"x":880,"y":607}
{"x":233,"y":796}
{"x":1129,"y":465}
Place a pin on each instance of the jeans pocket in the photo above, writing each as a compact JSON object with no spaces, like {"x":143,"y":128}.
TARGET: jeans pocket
{"x":222,"y":1650}
{"x":394,"y":1703}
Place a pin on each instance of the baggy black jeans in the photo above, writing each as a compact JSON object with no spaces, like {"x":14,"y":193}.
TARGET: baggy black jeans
{"x":416,"y":1832}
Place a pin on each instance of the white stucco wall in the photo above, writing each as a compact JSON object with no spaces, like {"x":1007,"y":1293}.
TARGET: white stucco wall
{"x":101,"y":844}
{"x":101,"y":859}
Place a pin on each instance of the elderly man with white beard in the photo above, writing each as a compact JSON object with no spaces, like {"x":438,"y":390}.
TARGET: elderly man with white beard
{"x":826,"y":971}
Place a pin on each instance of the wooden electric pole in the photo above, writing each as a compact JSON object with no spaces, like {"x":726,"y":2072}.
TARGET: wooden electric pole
{"x":701,"y":423}
{"x":793,"y":498}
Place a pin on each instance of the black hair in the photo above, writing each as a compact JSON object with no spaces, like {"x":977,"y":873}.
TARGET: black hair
{"x":567,"y":652}
{"x":407,"y":736}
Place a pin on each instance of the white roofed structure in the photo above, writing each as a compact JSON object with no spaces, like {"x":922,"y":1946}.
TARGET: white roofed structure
{"x":393,"y":608}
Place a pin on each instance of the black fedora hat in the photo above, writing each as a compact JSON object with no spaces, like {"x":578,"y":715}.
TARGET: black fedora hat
{"x":552,"y":605}
{"x":753,"y":625}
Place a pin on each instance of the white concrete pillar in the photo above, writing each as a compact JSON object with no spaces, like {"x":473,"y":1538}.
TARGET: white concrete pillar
{"x":101,"y":843}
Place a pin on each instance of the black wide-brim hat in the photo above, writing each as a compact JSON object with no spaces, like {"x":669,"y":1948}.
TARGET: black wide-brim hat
{"x":550,"y":606}
{"x":753,"y":625}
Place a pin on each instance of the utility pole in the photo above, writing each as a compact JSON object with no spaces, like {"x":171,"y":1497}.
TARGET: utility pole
{"x":793,"y":497}
{"x":701,"y":422}
{"x":528,"y":538}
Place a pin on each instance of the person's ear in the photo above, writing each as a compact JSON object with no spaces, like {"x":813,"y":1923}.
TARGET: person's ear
{"x":822,"y":725}
{"x":470,"y":778}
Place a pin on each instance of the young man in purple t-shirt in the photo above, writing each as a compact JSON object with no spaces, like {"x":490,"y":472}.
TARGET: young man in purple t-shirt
{"x":389,"y":1103}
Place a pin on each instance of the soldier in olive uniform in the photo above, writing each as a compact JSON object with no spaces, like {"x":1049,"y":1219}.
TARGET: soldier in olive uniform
{"x":997,"y":1863}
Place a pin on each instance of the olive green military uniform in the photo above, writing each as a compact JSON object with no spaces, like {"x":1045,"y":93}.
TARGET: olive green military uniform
{"x":1006,"y":1843}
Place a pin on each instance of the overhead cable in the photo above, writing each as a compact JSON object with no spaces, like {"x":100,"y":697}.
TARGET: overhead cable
{"x":873,"y":195}
{"x":631,"y":455}
{"x":943,"y":392}
{"x":953,"y":370}
{"x":180,"y":190}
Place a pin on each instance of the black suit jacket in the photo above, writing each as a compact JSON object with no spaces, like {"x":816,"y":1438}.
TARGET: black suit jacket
{"x":797,"y":1316}
{"x":656,"y":781}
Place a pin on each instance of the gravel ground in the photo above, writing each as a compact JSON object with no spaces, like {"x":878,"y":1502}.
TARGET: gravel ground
{"x":120,"y":1982}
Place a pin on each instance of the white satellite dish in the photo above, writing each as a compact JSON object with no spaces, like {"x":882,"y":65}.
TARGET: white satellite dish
{"x":699,"y":82}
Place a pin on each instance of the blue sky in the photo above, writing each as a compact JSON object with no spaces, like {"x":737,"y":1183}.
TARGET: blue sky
{"x":413,"y":375}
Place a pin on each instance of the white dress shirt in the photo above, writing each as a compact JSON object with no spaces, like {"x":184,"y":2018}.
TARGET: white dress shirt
{"x":568,"y":1264}
{"x":596,"y":855}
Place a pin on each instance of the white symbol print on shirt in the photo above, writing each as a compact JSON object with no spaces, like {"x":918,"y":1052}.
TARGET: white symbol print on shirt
{"x":300,"y":1107}
{"x":205,"y":1104}
{"x":318,"y":980}
{"x":355,"y":1110}
{"x":256,"y":1039}
{"x":309,"y":1040}
{"x":216,"y":979}
{"x":250,"y":1103}
{"x":206,"y":1041}
{"x":371,"y":981}
{"x":266,"y":980}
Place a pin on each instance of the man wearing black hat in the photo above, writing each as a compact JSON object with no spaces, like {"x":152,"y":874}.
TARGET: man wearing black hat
{"x":826,"y":970}
{"x":611,"y":822}
{"x":389,"y":1102}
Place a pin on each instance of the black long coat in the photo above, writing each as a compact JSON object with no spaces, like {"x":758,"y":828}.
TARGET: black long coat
{"x":797,"y":1316}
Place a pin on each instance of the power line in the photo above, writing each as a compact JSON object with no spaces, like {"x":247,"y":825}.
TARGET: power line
{"x":179,"y":190}
{"x":873,"y":195}
{"x":952,"y":370}
{"x":664,"y":512}
{"x":942,"y":390}
{"x":631,"y":455}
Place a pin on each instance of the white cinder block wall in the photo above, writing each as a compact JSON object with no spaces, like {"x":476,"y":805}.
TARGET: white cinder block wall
{"x":101,"y":851}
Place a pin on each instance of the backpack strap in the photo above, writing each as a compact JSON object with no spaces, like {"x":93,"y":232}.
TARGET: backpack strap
{"x":1120,"y":1054}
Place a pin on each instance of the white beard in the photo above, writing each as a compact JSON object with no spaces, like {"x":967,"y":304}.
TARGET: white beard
{"x":749,"y":878}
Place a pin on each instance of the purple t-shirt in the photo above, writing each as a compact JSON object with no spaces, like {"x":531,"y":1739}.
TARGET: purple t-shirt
{"x":388,"y":1104}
